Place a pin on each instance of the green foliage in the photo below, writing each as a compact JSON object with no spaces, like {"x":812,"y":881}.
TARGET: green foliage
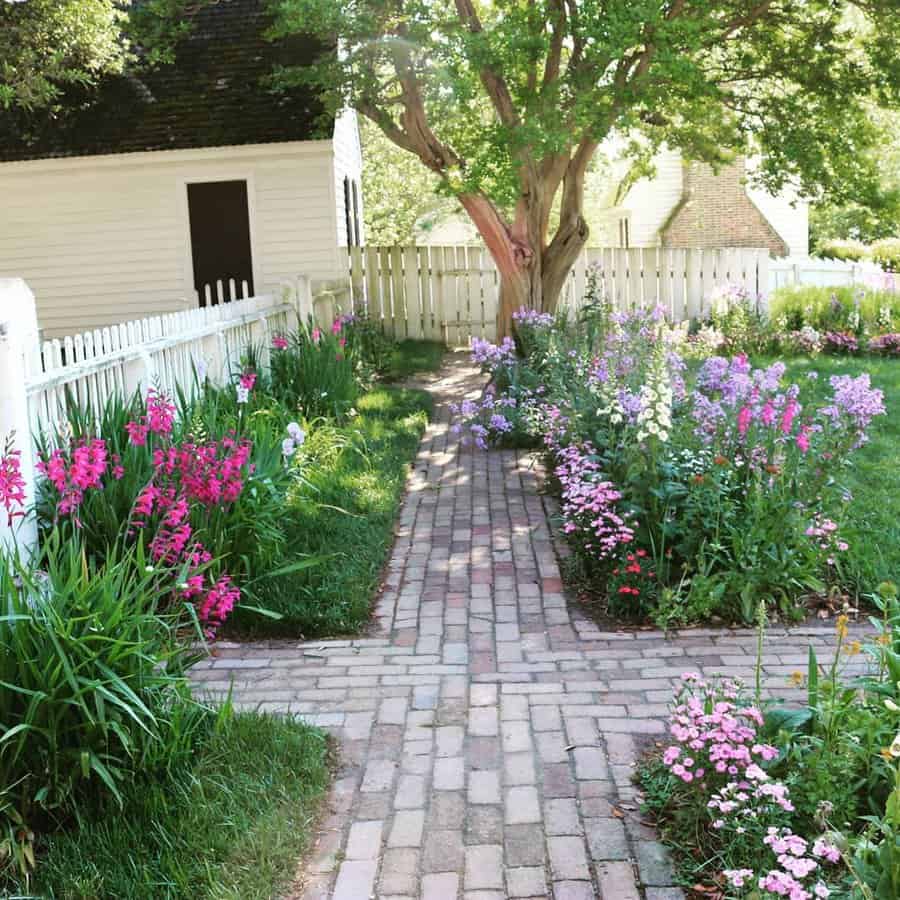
{"x":843,"y":308}
{"x":343,"y":508}
{"x":866,"y":218}
{"x":93,"y":688}
{"x":886,"y":253}
{"x":230,"y":822}
{"x":401,"y":196}
{"x":871,"y":524}
{"x":46,"y":45}
{"x":505,"y":84}
{"x":845,"y":249}
{"x":314,"y":376}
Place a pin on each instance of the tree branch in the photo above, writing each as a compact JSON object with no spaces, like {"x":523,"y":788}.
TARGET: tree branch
{"x":494,"y":83}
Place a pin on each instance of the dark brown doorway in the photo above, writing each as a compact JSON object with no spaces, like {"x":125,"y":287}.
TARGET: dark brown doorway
{"x":220,"y":238}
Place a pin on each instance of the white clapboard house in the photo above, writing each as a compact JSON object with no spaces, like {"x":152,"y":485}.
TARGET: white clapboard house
{"x":180,"y":187}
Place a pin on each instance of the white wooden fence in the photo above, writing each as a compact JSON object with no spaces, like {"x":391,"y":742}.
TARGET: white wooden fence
{"x":450,"y":293}
{"x":793,"y":270}
{"x":37,"y":378}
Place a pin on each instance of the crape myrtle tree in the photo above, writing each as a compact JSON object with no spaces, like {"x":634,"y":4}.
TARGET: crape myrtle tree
{"x":506,"y":101}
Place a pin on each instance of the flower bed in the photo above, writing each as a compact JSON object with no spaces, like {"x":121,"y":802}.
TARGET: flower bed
{"x":762,"y":801}
{"x":162,"y":520}
{"x":689,"y":488}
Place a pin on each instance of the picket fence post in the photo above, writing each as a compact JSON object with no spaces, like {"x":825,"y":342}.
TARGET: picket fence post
{"x":18,"y":343}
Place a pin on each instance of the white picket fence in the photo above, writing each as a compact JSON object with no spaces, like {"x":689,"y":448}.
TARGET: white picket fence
{"x":450,"y":294}
{"x":37,"y":379}
{"x":799,"y":270}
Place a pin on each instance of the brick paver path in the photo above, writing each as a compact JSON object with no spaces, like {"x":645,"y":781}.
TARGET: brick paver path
{"x":487,"y":731}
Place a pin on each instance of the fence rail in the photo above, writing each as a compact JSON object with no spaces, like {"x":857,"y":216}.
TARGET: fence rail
{"x":451,"y":294}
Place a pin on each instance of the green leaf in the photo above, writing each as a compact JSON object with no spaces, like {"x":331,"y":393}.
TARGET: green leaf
{"x":812,"y":676}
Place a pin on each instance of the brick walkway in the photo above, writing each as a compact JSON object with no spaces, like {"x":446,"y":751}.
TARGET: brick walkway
{"x":488,"y":731}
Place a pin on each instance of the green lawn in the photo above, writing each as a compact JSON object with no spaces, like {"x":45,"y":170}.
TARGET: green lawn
{"x":355,"y":480}
{"x":873,"y":525}
{"x":410,"y":357}
{"x":232,"y":826}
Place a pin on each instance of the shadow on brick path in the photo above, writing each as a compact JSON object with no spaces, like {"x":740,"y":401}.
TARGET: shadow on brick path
{"x":487,"y":731}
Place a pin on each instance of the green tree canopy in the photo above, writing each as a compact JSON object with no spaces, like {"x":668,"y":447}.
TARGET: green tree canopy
{"x":879,"y":216}
{"x":47,"y":45}
{"x":505,"y":101}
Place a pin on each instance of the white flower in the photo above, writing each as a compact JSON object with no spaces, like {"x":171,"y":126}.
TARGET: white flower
{"x":295,"y":431}
{"x":894,"y":749}
{"x":243,"y":394}
{"x":288,"y":447}
{"x":664,"y":435}
{"x":616,"y":418}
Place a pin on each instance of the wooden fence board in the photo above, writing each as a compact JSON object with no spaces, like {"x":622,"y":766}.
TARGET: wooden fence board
{"x":451,"y":293}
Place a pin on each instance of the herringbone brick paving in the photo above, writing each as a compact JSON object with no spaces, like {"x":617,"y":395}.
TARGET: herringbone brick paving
{"x":487,"y":730}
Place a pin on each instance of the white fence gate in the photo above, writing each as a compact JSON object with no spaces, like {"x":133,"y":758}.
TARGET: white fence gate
{"x":450,"y":293}
{"x":37,"y":378}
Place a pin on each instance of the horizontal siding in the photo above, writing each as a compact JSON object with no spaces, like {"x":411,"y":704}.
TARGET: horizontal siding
{"x":100,"y":243}
{"x":651,"y":201}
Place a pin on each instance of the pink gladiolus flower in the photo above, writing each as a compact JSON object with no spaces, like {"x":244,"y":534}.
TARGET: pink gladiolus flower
{"x":137,"y":433}
{"x":160,"y":412}
{"x":248,"y":380}
{"x":279,"y":342}
{"x":12,"y":484}
{"x":744,"y":418}
{"x":336,"y":326}
{"x":316,"y":335}
{"x":803,"y":440}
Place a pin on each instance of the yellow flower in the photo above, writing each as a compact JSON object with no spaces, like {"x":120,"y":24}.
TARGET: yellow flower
{"x":883,"y":639}
{"x":853,"y":648}
{"x":840,"y":626}
{"x":796,"y":678}
{"x":885,"y":753}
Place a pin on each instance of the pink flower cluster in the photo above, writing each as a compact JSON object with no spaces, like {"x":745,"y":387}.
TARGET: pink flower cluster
{"x":74,"y":471}
{"x":12,"y":484}
{"x":279,"y":342}
{"x":796,"y":865}
{"x":590,"y":503}
{"x":715,"y":734}
{"x":210,"y":474}
{"x":824,"y":533}
{"x":158,"y":419}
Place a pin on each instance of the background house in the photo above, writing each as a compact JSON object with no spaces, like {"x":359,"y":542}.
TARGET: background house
{"x":143,"y":194}
{"x":688,"y":204}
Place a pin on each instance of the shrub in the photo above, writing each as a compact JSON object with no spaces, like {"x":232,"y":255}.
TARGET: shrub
{"x":93,"y":687}
{"x":886,"y":253}
{"x":855,"y":309}
{"x":843,"y":249}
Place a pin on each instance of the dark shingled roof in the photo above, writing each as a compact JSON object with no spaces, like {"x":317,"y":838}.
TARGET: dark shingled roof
{"x":214,"y":94}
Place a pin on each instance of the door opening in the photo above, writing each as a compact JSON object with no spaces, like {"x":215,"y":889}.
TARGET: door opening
{"x":220,"y":240}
